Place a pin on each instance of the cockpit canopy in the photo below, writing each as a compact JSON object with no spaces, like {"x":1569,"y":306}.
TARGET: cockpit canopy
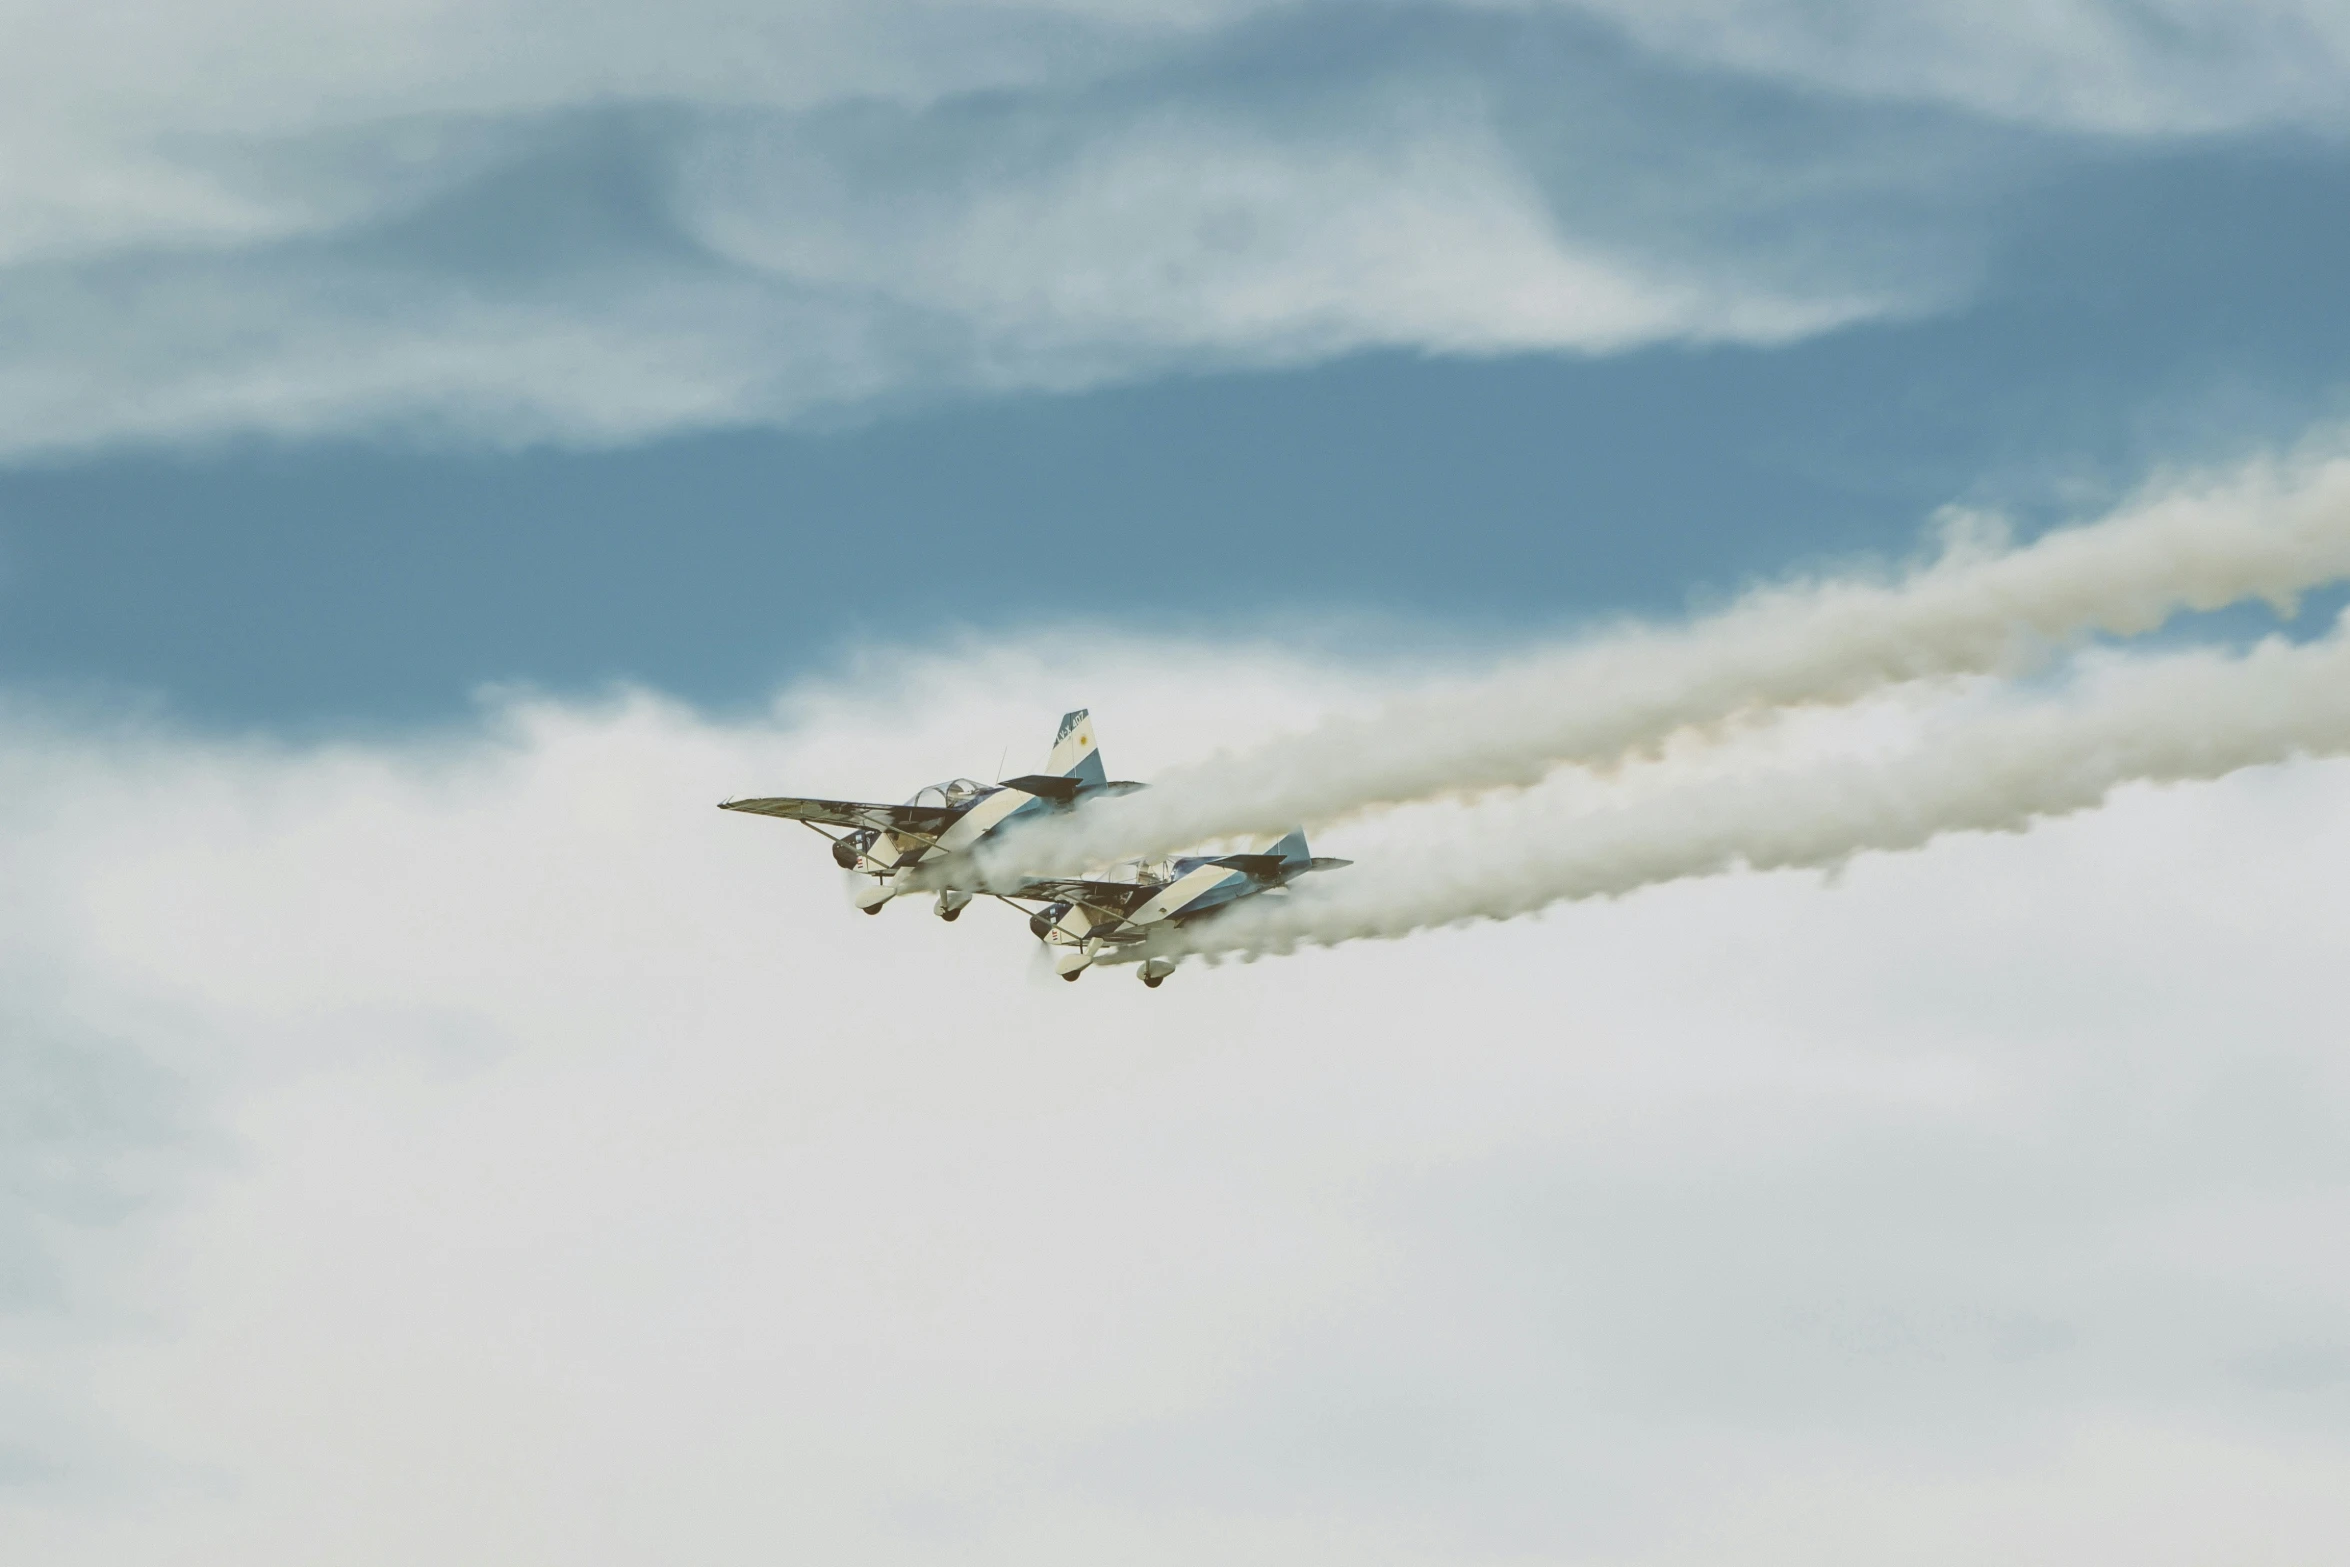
{"x":954,"y":792}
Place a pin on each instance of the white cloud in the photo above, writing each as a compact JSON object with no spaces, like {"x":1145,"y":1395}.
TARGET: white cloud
{"x":541,"y":223}
{"x":1178,"y":232}
{"x":566,"y":1174}
{"x":148,"y":119}
{"x":523,"y":222}
{"x":2126,"y":67}
{"x":1169,"y":245}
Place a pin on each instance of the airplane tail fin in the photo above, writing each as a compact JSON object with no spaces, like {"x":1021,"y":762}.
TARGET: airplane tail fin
{"x":1295,"y":858}
{"x":1074,"y":753}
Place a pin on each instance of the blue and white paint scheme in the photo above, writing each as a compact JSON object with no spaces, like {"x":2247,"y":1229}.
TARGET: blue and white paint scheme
{"x":1085,"y":922}
{"x":885,"y":844}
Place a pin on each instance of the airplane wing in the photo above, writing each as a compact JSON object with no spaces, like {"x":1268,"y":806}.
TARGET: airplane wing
{"x":1111,"y":897}
{"x":922,"y":820}
{"x":1267,"y":866}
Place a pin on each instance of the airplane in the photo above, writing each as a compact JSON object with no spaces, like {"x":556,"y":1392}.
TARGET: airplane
{"x":1084,"y":922}
{"x":887,"y":842}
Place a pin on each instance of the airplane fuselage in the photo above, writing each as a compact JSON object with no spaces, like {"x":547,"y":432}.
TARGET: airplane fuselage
{"x":990,"y":808}
{"x":1197,"y":887}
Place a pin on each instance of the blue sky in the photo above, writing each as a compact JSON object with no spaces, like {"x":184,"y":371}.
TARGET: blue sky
{"x":443,"y":450}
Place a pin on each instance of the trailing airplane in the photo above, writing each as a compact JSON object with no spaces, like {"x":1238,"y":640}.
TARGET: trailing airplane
{"x":887,"y":842}
{"x":1084,"y":922}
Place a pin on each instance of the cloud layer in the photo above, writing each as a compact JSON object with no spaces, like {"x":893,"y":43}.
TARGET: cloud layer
{"x":533,"y":225}
{"x":556,"y":1168}
{"x":2115,"y":66}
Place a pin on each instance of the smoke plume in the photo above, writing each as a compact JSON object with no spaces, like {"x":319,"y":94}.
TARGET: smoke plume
{"x":2268,"y":531}
{"x":1978,"y":767}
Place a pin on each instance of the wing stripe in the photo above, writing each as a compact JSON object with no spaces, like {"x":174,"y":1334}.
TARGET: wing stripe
{"x":927,"y":821}
{"x":1111,"y":897}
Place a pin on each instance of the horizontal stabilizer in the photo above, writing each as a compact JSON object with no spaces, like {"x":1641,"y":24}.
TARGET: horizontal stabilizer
{"x":1270,"y":867}
{"x":1064,"y":790}
{"x":1045,"y":787}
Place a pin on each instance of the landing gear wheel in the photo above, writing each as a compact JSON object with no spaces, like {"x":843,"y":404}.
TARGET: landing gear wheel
{"x":950,"y":915}
{"x":1072,"y":977}
{"x":1154,"y":980}
{"x":876,"y":909}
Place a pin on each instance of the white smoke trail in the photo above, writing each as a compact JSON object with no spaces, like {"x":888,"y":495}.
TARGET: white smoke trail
{"x":2152,"y":719}
{"x":2267,"y":531}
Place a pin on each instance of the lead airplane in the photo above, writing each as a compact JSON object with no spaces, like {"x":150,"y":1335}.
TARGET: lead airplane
{"x":886,"y":843}
{"x":1085,"y":922}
